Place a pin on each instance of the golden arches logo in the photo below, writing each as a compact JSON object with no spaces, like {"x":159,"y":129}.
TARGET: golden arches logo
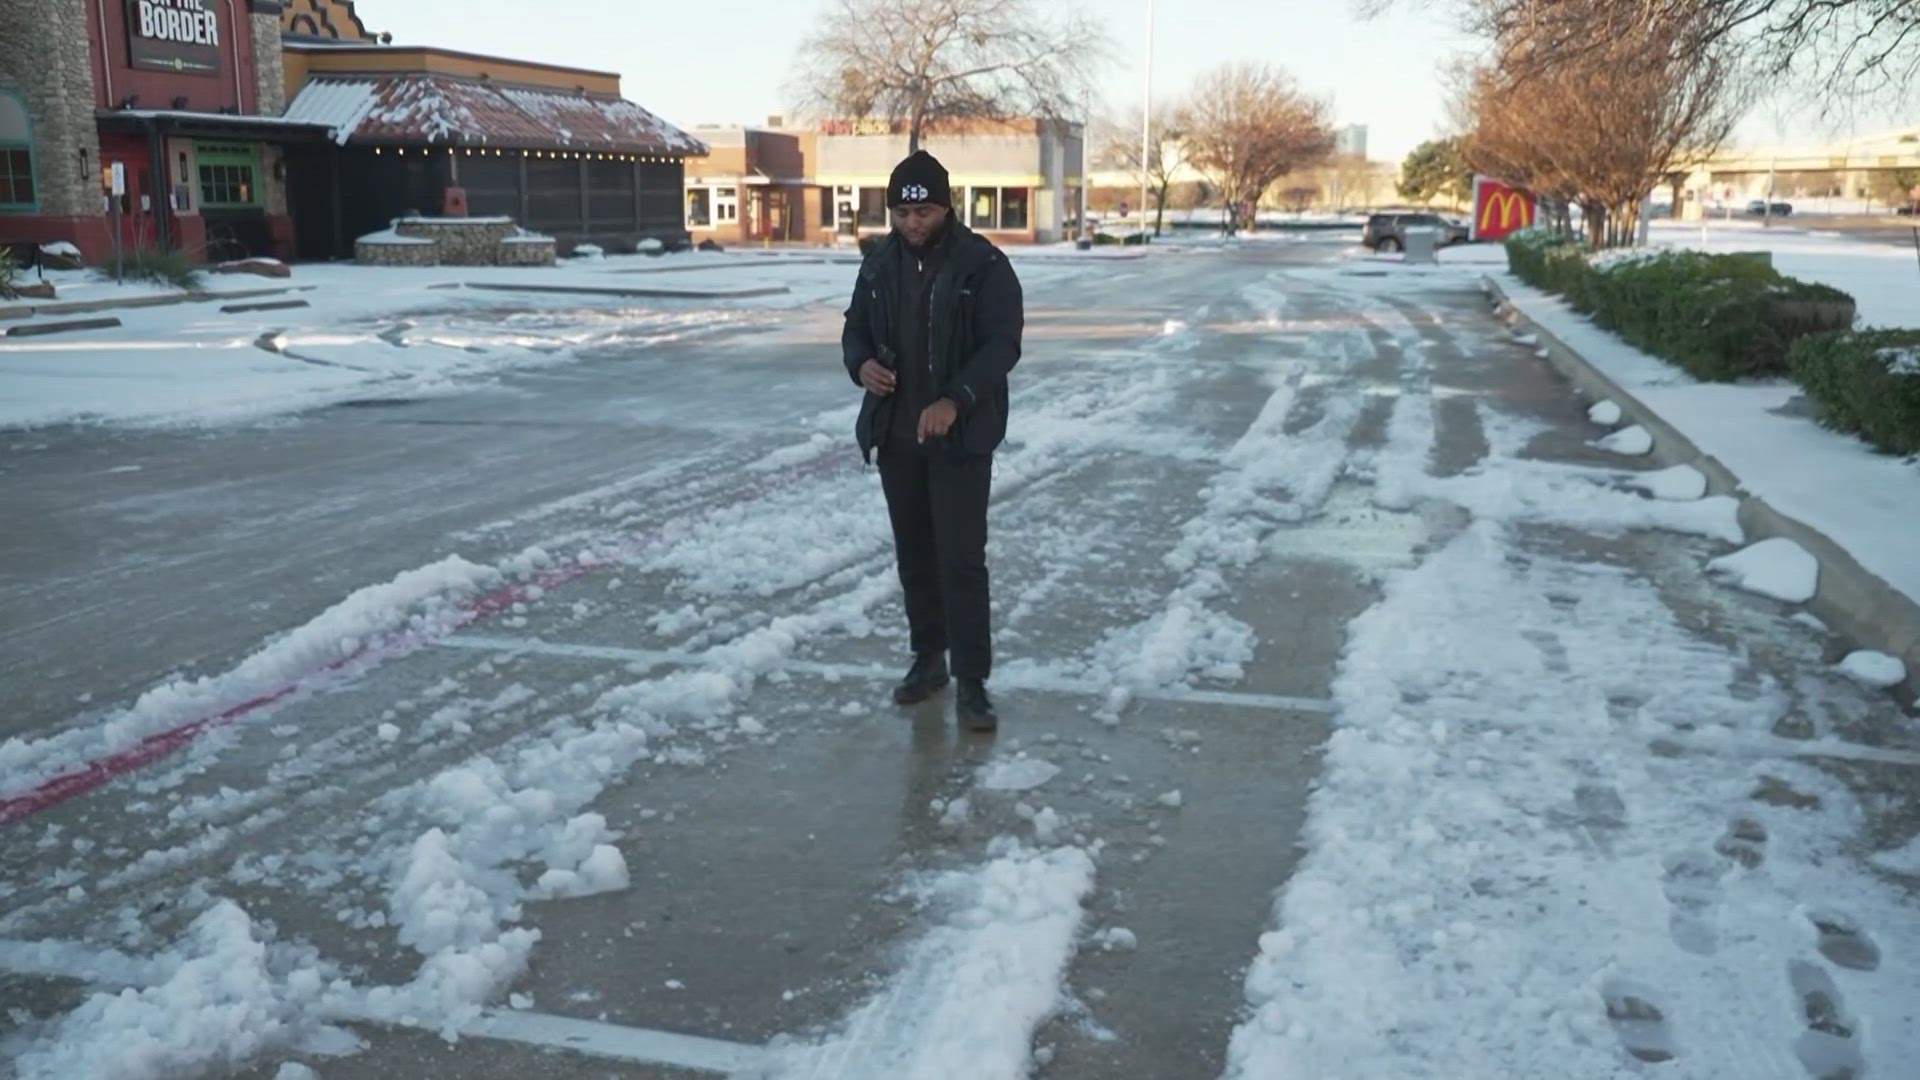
{"x":1515,"y":211}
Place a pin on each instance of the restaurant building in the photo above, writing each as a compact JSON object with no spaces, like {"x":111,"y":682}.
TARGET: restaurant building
{"x":256,"y":127}
{"x":182,"y":96}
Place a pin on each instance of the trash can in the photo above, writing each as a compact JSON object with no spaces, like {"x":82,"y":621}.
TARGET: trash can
{"x":1421,"y":243}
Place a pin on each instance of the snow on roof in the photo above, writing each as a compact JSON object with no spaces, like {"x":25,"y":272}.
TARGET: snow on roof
{"x":442,"y":109}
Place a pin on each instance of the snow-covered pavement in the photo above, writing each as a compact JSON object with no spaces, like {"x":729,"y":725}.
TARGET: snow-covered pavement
{"x":1361,"y":717}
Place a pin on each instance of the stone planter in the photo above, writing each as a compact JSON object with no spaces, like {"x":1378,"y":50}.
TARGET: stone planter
{"x":527,"y":251}
{"x":386,"y":252}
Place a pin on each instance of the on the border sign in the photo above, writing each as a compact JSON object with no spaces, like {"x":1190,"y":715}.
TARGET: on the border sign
{"x":1500,"y":209}
{"x":174,"y":35}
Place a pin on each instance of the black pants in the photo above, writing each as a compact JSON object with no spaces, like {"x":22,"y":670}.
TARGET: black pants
{"x":937,"y":498}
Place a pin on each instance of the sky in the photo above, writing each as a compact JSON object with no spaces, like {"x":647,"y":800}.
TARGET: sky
{"x":725,"y":61}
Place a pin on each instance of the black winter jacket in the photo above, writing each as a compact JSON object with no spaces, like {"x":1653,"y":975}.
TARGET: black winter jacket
{"x":976,"y":314}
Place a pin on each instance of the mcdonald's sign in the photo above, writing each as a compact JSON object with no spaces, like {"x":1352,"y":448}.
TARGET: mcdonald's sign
{"x":1500,"y":209}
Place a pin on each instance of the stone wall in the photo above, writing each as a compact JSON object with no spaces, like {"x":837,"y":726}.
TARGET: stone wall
{"x":45,"y":61}
{"x":457,"y":242}
{"x":527,"y":251}
{"x":269,"y":72}
{"x":376,"y":253}
{"x":462,"y":241}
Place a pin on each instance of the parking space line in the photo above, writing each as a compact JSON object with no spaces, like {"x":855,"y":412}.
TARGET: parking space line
{"x":652,"y":658}
{"x":598,"y":1039}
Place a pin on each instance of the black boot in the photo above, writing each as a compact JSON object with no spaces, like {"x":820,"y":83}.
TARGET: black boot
{"x":974,"y":708}
{"x":926,"y":677}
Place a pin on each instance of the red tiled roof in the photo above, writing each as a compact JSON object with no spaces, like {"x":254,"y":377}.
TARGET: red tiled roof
{"x":444,"y":110}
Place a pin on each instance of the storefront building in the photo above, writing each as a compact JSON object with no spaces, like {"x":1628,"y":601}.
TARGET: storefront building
{"x":1016,"y":181}
{"x":178,"y":99}
{"x":751,"y":187}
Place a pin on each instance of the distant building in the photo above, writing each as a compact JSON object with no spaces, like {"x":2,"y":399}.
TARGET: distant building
{"x":752,"y":185}
{"x":1017,"y":181}
{"x":1351,"y":141}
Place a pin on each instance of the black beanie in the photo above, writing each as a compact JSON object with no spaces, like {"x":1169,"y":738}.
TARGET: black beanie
{"x":919,"y":179}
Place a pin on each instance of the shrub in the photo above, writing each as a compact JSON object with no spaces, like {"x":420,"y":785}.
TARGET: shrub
{"x":1720,"y":317}
{"x":158,"y":265}
{"x":1867,"y":383}
{"x":9,"y":274}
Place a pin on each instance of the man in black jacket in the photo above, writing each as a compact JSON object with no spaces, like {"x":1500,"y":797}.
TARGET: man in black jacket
{"x":933,"y":329}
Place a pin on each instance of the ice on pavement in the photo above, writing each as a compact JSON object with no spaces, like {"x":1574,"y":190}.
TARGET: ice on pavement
{"x":1875,"y":669}
{"x":1017,"y":774}
{"x":1775,"y":567}
{"x":1470,"y":882}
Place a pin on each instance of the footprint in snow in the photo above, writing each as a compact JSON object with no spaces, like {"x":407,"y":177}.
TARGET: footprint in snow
{"x":1843,"y":942}
{"x":1744,"y":843}
{"x":1828,"y":1049}
{"x":1693,"y":889}
{"x":1637,"y":1021}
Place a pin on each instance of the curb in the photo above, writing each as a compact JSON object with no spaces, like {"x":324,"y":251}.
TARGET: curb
{"x":65,"y":307}
{"x":1852,"y":600}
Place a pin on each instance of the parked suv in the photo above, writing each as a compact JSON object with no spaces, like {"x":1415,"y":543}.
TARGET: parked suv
{"x":1388,"y":232}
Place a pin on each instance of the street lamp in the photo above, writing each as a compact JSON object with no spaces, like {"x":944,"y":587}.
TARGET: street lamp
{"x":1146,"y":120}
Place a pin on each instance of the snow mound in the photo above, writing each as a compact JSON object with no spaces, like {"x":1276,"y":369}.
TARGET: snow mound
{"x":1632,"y":441}
{"x":1875,"y":669}
{"x":1682,"y":483}
{"x":1605,"y":412}
{"x":1778,"y":568}
{"x":978,"y":985}
{"x":222,"y":1003}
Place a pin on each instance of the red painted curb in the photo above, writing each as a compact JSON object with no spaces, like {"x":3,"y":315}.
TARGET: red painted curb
{"x":395,"y":644}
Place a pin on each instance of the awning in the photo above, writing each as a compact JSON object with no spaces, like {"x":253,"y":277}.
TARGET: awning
{"x":273,"y":129}
{"x":443,"y":110}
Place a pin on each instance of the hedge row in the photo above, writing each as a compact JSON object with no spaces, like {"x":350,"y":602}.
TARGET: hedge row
{"x":1867,"y":383}
{"x":1725,"y":317}
{"x":1721,"y":317}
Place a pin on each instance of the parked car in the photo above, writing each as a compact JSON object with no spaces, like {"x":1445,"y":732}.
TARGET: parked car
{"x":1761,"y":207}
{"x":1388,"y":232}
{"x":1908,"y":210}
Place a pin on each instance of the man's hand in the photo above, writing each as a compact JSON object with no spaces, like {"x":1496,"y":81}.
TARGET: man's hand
{"x":875,"y":376}
{"x":937,"y":418}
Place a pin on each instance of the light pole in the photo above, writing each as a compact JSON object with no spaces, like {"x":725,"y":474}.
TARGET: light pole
{"x":1146,"y":120}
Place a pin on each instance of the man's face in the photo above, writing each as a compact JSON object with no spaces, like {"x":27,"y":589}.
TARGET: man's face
{"x":917,"y":222}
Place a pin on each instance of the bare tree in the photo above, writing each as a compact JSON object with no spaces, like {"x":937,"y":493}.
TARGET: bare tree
{"x":927,"y":61}
{"x":1602,"y":128}
{"x":1298,"y":197}
{"x":1246,"y":126}
{"x":1840,"y":48}
{"x":1120,"y":147}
